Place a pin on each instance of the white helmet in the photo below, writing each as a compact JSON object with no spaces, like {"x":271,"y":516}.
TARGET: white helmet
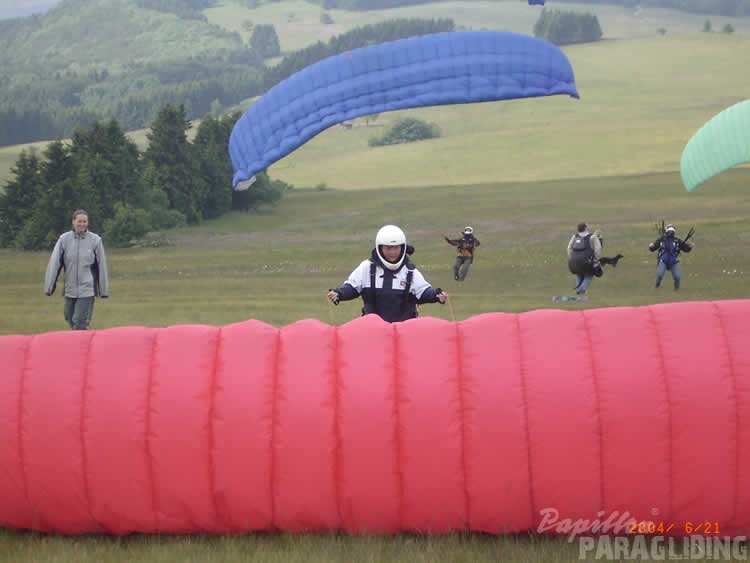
{"x":468,"y":230}
{"x":391,"y":235}
{"x":669,"y":229}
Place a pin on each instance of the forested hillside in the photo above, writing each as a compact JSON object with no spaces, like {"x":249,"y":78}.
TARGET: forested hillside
{"x":90,"y":60}
{"x":86,"y":60}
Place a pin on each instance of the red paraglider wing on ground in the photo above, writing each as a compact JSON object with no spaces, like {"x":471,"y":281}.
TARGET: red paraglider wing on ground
{"x":490,"y":424}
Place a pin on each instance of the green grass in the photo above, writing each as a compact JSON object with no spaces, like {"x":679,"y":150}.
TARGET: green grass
{"x":291,"y":548}
{"x":276,"y":266}
{"x":298,"y":24}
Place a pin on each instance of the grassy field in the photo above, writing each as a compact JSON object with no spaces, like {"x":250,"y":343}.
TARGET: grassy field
{"x":276,"y":266}
{"x":298,"y":22}
{"x":288,"y":548}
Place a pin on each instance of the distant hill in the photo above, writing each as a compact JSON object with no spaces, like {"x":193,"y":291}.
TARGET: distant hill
{"x":86,"y":60}
{"x":21,"y":8}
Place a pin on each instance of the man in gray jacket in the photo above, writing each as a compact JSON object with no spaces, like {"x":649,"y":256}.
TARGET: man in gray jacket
{"x":81,"y":254}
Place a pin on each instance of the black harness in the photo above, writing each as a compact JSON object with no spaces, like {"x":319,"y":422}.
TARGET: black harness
{"x":369,"y":294}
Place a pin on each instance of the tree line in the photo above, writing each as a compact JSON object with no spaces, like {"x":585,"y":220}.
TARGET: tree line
{"x":729,"y":8}
{"x":127,"y":193}
{"x":563,"y":27}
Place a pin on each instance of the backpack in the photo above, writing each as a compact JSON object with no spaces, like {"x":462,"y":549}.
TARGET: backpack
{"x":582,"y":255}
{"x":670,"y":248}
{"x":582,"y":244}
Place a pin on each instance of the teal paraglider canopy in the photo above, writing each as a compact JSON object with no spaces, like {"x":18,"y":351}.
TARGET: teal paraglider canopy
{"x":721,"y":143}
{"x":428,"y":70}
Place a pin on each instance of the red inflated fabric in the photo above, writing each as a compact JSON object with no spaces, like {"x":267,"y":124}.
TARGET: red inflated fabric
{"x":489,"y":424}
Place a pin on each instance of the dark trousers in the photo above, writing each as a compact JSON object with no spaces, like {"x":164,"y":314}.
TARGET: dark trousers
{"x":78,"y":312}
{"x":461,"y":267}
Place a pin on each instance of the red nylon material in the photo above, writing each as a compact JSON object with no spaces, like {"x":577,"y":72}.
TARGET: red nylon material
{"x":370,"y":427}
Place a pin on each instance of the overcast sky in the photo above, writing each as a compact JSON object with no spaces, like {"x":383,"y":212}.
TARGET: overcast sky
{"x":19,"y":8}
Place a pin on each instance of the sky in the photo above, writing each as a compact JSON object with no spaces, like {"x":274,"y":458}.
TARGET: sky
{"x":19,"y":8}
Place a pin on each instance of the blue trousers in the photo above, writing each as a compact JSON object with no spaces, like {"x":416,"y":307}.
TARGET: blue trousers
{"x":78,"y":312}
{"x":661,"y":270}
{"x":583,"y":282}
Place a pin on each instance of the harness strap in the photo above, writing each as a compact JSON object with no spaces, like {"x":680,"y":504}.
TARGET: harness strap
{"x":409,"y":276}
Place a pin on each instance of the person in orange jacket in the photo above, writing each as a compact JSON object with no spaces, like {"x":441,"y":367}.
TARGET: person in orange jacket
{"x":465,"y":248}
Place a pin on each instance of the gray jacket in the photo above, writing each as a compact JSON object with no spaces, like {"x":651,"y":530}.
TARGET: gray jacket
{"x":85,"y":263}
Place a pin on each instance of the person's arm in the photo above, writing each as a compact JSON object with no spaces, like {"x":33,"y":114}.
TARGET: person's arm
{"x":424,"y":292}
{"x":450,"y":241}
{"x":344,"y":293}
{"x":596,"y":244}
{"x":654,"y":245}
{"x":54,"y":266}
{"x":686,"y":246}
{"x":352,"y":287}
{"x":101,"y":261}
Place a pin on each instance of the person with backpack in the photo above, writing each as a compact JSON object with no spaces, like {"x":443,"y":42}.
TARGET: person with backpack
{"x":388,"y":282}
{"x":669,"y":247}
{"x":465,"y":253}
{"x":584,"y":251}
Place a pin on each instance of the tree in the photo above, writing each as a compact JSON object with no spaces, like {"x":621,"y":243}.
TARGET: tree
{"x":566,"y":27}
{"x":263,"y":191}
{"x":406,"y":130}
{"x":214,"y":164}
{"x":126,"y":226}
{"x":20,"y":197}
{"x":707,"y":26}
{"x":58,"y":198}
{"x":108,"y":168}
{"x":265,"y":41}
{"x":171,"y":164}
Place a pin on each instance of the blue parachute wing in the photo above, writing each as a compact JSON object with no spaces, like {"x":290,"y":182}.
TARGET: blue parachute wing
{"x":428,"y":70}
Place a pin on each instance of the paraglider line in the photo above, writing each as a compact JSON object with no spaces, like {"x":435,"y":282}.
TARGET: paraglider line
{"x":450,"y":308}
{"x":330,"y":310}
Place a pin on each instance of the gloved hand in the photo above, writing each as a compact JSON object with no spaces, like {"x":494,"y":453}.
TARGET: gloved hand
{"x":334,"y":296}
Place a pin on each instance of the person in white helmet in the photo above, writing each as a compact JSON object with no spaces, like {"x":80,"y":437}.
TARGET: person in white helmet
{"x":669,"y":247}
{"x":388,"y":282}
{"x":465,"y":257}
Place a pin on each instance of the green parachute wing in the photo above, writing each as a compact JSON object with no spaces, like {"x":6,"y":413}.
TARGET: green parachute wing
{"x":720,"y":144}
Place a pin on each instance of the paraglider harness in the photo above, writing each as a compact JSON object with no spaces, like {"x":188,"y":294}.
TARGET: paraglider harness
{"x":670,"y":247}
{"x":466,"y":244}
{"x":368,"y":294}
{"x":582,"y":259}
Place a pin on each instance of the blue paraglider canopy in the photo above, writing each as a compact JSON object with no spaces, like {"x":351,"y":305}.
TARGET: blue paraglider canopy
{"x":428,"y":70}
{"x":536,"y":2}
